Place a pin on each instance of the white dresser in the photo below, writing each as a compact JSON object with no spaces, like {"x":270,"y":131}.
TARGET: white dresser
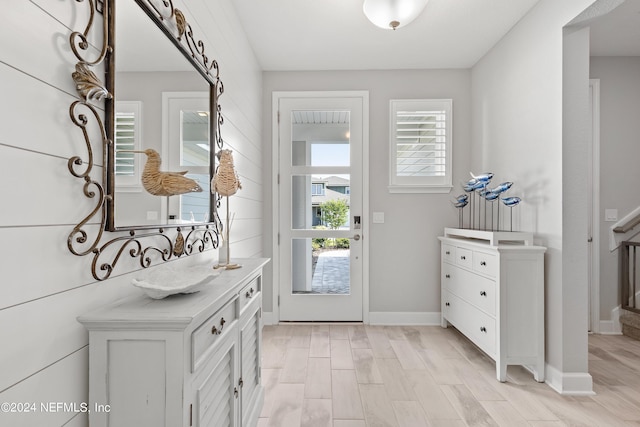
{"x":186,"y":360}
{"x":493,"y":293}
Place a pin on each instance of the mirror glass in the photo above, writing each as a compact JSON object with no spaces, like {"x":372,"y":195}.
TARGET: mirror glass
{"x":162,"y":104}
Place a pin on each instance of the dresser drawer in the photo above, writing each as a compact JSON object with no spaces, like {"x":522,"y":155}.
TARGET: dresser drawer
{"x":477,"y":290}
{"x":483,"y":331}
{"x":209,"y":333}
{"x":485,"y":263}
{"x":464,"y":257}
{"x":249,"y":293}
{"x":476,"y":325}
{"x":449,"y":253}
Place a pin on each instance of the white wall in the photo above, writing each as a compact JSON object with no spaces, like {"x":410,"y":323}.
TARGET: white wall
{"x":404,"y":251}
{"x":619,"y":172}
{"x":44,"y":287}
{"x":518,"y":130}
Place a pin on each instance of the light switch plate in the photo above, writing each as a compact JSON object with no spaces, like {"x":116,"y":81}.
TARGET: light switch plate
{"x":378,"y":217}
{"x":611,"y":215}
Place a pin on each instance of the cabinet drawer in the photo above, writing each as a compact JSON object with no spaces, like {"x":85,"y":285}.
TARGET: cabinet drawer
{"x":209,"y":333}
{"x":464,"y":257}
{"x":249,"y":293}
{"x":475,"y":289}
{"x":476,"y":325}
{"x":485,"y":263}
{"x":448,"y":253}
{"x":483,"y":332}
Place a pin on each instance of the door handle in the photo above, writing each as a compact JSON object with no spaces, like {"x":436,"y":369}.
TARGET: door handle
{"x":356,"y":237}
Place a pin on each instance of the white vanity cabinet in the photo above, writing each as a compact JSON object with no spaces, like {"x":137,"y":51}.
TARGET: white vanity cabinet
{"x":186,"y":360}
{"x":493,"y":293}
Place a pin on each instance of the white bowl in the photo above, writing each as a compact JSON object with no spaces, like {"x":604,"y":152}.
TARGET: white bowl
{"x":160,"y":282}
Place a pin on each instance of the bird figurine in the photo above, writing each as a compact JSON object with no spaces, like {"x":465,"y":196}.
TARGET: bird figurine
{"x":161,"y":183}
{"x":225,"y":181}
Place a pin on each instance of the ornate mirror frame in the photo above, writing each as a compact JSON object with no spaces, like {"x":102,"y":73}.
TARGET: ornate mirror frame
{"x":146,"y":243}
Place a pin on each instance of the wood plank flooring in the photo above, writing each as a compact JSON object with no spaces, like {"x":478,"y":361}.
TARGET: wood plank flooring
{"x":412,"y":376}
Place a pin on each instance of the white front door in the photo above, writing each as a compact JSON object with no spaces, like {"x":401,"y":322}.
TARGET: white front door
{"x":322,"y":226}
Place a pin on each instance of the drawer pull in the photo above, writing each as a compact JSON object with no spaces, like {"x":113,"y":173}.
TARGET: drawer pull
{"x":249,"y":293}
{"x":447,"y":276}
{"x":241,"y":383}
{"x":483,"y":329}
{"x":463,"y":257}
{"x":483,"y":263}
{"x":235,"y":392}
{"x":483,"y":294}
{"x":216,"y":331}
{"x":447,"y":304}
{"x":447,"y":253}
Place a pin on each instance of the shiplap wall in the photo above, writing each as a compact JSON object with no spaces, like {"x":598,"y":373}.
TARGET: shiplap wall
{"x":43,"y":287}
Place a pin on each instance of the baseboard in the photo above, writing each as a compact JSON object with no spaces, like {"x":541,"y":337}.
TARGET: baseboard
{"x":268,"y":318}
{"x":569,"y":383}
{"x":382,"y":318}
{"x":609,"y":327}
{"x":404,"y":318}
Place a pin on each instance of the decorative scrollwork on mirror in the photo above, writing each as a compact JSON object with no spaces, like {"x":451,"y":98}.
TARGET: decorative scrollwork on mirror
{"x":148,"y":244}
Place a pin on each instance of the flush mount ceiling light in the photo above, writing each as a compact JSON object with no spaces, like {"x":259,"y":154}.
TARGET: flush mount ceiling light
{"x":393,"y":13}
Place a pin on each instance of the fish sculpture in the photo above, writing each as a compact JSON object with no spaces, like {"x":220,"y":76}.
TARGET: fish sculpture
{"x":502,"y":187}
{"x":460,"y":205}
{"x":485,"y":177}
{"x":480,"y":185}
{"x":491,"y":196}
{"x":511,"y":201}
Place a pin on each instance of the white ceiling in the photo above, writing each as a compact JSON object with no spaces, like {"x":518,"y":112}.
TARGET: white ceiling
{"x":335,"y":34}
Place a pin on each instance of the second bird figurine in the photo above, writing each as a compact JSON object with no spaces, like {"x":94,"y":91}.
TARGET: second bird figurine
{"x":161,"y":183}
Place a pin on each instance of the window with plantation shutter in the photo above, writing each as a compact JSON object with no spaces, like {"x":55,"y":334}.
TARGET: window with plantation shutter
{"x":127,"y":138}
{"x":420,"y":146}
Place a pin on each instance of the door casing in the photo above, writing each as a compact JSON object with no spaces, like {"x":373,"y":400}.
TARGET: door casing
{"x":275,"y":262}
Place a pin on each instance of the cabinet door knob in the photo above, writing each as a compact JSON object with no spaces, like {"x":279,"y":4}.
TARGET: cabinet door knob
{"x":447,"y":304}
{"x":483,"y":329}
{"x":483,"y":263}
{"x":216,"y":331}
{"x":463,"y":257}
{"x":447,"y":276}
{"x":241,"y":383}
{"x":235,"y":392}
{"x":483,"y":294}
{"x":447,"y":253}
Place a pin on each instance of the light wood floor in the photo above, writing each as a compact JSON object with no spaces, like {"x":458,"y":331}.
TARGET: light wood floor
{"x":356,"y":376}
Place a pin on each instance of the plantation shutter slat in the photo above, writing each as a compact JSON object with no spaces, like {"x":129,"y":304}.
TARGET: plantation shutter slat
{"x":125,"y":139}
{"x":421,"y":143}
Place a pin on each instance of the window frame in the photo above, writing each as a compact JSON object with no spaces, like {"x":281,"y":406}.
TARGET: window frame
{"x":421,"y":184}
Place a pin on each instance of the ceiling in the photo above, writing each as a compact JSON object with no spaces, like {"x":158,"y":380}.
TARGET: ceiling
{"x":335,"y":34}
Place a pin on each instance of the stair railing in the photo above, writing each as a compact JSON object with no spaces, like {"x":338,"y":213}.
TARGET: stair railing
{"x":629,"y":281}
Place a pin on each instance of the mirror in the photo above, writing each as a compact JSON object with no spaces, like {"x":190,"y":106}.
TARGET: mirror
{"x":162,"y":100}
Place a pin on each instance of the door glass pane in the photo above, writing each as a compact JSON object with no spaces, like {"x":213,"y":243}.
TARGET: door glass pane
{"x":320,"y":138}
{"x":320,"y":202}
{"x":195,"y":149}
{"x":320,"y":266}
